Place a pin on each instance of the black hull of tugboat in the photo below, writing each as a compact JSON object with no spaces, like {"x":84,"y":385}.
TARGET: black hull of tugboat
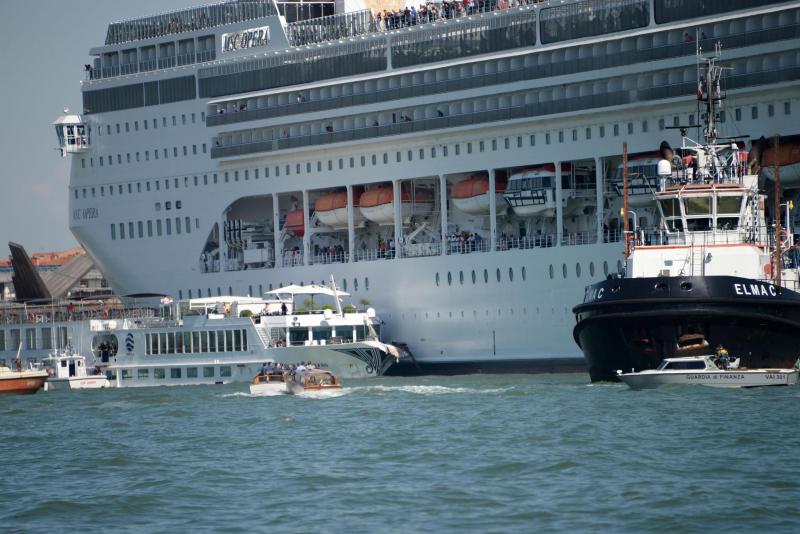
{"x":636,"y":323}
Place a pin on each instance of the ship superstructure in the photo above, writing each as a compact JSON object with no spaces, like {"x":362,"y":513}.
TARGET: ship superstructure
{"x":459,"y":173}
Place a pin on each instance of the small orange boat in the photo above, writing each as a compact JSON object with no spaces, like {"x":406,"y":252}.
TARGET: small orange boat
{"x":21,"y":382}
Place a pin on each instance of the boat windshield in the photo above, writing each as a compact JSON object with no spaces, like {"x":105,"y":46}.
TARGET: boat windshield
{"x":684,"y":365}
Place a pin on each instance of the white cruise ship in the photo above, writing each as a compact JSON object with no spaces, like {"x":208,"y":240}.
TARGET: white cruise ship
{"x":455,"y":166}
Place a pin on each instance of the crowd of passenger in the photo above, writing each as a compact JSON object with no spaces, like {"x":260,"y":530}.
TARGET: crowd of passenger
{"x":291,"y":368}
{"x":433,"y":11}
{"x":464,"y":242}
{"x":331,"y":254}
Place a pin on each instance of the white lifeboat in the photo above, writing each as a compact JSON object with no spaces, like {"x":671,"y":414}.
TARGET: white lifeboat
{"x":531,"y":192}
{"x":377,"y":204}
{"x":642,"y":180}
{"x":472,"y":194}
{"x":331,"y":210}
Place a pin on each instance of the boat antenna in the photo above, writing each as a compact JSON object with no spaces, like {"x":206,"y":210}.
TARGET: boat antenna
{"x":698,"y":57}
{"x":626,"y":230}
{"x":776,"y":171}
{"x":336,"y":297}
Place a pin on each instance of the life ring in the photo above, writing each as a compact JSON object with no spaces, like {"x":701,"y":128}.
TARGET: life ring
{"x":370,"y":370}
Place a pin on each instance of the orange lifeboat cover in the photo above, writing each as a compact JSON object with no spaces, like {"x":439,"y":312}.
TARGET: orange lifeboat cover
{"x":377,"y":196}
{"x":787,"y":154}
{"x":476,"y":186}
{"x":332,"y":201}
{"x":294,"y":222}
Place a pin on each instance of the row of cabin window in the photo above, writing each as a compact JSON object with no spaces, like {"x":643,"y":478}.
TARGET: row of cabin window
{"x":196,"y":342}
{"x":434,"y":151}
{"x":137,"y":156}
{"x":147,"y":124}
{"x":159,"y":373}
{"x":523,"y":272}
{"x":142,"y":229}
{"x":44,"y":339}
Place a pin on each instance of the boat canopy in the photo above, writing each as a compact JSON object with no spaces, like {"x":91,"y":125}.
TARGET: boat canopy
{"x":313,"y":289}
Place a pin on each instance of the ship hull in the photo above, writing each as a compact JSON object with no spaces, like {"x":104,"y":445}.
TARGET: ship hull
{"x":626,"y":324}
{"x":23,"y":385}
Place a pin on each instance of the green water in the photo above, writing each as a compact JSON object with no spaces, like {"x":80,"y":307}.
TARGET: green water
{"x":475,"y":453}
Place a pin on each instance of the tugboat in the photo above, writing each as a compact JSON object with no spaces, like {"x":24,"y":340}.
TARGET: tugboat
{"x":714,"y":272}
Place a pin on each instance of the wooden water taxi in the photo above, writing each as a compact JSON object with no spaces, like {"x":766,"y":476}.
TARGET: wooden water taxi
{"x":269,"y":383}
{"x":311,"y":380}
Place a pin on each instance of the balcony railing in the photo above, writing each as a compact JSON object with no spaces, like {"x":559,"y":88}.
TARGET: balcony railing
{"x":522,"y":73}
{"x":611,"y":99}
{"x":187,"y":20}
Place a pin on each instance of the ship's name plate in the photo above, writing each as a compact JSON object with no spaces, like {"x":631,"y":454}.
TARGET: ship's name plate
{"x":755,"y":290}
{"x":252,"y":38}
{"x":85,"y":214}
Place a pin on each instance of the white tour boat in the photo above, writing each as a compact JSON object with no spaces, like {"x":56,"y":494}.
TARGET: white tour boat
{"x":704,"y":371}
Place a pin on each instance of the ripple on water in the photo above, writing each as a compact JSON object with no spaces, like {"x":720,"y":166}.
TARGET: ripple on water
{"x":471,"y":453}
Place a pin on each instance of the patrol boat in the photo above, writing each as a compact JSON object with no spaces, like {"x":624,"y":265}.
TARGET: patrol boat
{"x":719,"y":268}
{"x":705,"y":371}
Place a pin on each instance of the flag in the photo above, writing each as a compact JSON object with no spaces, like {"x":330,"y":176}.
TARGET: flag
{"x":699,"y":90}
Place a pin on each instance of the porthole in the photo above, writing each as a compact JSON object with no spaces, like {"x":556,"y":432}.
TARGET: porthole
{"x":498,"y":275}
{"x":605,"y":268}
{"x":473,"y":277}
{"x":578,"y":270}
{"x":591,"y":269}
{"x":366,"y":284}
{"x":510,"y":274}
{"x":524,"y":274}
{"x":552,"y":271}
{"x":461,"y":277}
{"x":449,"y":279}
{"x":485,"y":276}
{"x":437,"y":280}
{"x":564,"y":270}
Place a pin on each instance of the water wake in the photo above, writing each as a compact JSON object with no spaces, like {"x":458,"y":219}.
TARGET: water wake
{"x":431,"y":390}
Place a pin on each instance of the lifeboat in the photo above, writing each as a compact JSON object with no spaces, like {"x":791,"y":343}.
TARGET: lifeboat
{"x":642,"y":179}
{"x":331,"y":210}
{"x":787,"y":156}
{"x":531,"y":192}
{"x":472,"y":194}
{"x":377,"y":204}
{"x":294,"y":223}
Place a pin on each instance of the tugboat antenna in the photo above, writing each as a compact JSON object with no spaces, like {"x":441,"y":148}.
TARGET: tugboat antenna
{"x":776,"y":171}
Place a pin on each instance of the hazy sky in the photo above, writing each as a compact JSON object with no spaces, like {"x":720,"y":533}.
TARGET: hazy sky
{"x":43,"y":47}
